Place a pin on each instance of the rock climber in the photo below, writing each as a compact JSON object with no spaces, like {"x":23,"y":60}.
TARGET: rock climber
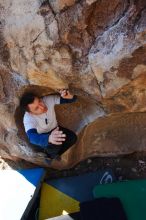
{"x":40,"y":122}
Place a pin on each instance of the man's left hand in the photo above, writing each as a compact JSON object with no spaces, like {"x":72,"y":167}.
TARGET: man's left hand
{"x":65,"y":94}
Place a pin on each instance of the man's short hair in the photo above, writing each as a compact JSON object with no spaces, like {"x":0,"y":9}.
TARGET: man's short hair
{"x":27,"y":99}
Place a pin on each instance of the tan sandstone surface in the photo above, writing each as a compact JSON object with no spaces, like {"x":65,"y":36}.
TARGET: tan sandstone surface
{"x":95,"y":48}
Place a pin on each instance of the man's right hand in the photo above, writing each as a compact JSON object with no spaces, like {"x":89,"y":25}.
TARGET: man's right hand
{"x":56,"y":137}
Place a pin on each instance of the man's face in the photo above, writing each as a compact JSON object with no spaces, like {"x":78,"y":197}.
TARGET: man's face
{"x":37,"y":107}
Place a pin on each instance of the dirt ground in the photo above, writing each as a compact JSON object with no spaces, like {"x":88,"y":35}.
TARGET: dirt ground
{"x":127,"y":167}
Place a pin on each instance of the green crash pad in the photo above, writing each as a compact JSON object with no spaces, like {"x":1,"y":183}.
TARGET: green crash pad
{"x":131,"y":193}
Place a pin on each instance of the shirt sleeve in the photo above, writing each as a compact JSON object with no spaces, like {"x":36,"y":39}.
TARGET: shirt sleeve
{"x":57,"y":99}
{"x":38,"y":139}
{"x":63,"y":101}
{"x":52,"y":100}
{"x":29,"y":122}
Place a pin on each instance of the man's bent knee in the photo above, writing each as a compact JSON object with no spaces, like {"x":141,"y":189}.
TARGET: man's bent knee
{"x":73,"y":138}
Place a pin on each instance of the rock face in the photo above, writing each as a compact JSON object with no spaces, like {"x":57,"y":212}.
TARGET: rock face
{"x":115,"y":135}
{"x":96,"y":49}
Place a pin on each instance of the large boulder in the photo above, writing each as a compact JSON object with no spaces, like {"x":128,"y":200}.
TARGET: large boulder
{"x":97,"y":49}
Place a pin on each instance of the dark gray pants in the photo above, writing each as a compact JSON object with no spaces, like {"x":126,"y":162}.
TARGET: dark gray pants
{"x":54,"y":151}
